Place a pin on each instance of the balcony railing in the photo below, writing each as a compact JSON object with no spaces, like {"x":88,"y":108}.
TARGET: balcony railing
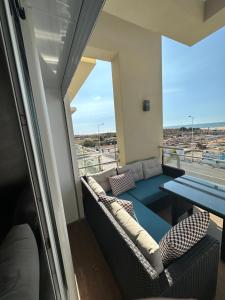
{"x":92,"y":161}
{"x":202,"y":165}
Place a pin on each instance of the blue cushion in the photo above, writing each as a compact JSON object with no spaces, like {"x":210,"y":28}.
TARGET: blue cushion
{"x":150,"y":221}
{"x":147,"y":191}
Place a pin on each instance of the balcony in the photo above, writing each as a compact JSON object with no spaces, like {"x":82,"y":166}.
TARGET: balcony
{"x":128,"y":34}
{"x":135,"y":55}
{"x":91,"y":162}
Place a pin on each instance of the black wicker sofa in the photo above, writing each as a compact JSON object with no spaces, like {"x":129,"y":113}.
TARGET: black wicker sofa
{"x":194,"y":275}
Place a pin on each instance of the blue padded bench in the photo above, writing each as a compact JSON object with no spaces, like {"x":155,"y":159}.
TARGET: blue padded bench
{"x":145,"y":195}
{"x":147,"y":191}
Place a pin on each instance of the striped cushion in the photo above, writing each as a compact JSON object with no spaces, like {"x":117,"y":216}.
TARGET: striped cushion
{"x":121,"y":183}
{"x":127,"y":205}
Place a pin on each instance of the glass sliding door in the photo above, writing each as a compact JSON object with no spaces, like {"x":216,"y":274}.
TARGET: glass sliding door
{"x":33,"y":137}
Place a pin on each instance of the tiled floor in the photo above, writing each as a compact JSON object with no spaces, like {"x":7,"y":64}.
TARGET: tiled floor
{"x":94,"y":278}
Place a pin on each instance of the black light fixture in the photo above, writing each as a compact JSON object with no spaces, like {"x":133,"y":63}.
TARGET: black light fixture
{"x":146,"y":105}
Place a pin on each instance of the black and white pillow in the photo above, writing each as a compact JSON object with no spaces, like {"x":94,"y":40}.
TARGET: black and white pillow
{"x":181,"y":237}
{"x":127,"y":205}
{"x":121,"y":183}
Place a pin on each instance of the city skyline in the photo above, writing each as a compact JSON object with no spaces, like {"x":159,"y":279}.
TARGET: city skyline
{"x":192,"y":77}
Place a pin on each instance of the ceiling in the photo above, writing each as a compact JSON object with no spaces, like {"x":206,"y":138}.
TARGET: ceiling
{"x":186,"y":21}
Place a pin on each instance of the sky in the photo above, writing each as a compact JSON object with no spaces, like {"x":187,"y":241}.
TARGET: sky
{"x":94,"y":102}
{"x":193,"y":84}
{"x":194,"y":80}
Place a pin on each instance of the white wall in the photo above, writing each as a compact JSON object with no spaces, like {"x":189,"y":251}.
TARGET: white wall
{"x":62,"y":151}
{"x":79,"y":196}
{"x":137,"y":75}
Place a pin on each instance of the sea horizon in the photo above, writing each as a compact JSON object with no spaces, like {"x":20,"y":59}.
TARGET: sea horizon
{"x":200,"y":125}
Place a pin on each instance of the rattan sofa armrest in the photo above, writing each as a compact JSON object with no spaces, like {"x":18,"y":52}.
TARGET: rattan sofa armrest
{"x":196,"y":269}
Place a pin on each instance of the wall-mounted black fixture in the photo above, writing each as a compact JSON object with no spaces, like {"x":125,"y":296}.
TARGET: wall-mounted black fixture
{"x":146,"y":105}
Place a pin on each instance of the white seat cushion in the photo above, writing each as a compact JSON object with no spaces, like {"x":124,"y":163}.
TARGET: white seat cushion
{"x":135,"y":168}
{"x":151,"y":167}
{"x":96,"y":187}
{"x":103,"y":178}
{"x":146,"y":244}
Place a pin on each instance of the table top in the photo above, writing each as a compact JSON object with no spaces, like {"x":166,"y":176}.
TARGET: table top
{"x":202,"y":193}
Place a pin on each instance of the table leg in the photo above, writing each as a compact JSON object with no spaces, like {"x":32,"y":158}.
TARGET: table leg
{"x":179,"y":207}
{"x":223,"y":242}
{"x":190,"y":211}
{"x":175,"y":212}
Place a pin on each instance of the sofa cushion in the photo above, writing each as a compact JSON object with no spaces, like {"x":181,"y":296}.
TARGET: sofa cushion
{"x":149,"y":220}
{"x":147,"y":245}
{"x":135,"y":168}
{"x":183,"y":236}
{"x":103,"y":178}
{"x":127,"y":205}
{"x":121,"y":183}
{"x":147,"y":191}
{"x":96,"y":187}
{"x":19,"y":265}
{"x":151,"y":167}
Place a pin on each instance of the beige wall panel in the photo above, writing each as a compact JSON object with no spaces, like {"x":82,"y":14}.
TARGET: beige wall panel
{"x":137,"y":75}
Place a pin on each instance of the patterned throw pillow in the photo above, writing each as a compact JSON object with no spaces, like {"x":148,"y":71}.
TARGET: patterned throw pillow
{"x":183,"y":236}
{"x":96,"y":187}
{"x":127,"y":205}
{"x":121,"y":183}
{"x":102,"y":178}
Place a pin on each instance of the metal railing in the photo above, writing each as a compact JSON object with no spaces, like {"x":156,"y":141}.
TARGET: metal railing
{"x":90,"y":161}
{"x":192,"y":158}
{"x":100,"y":164}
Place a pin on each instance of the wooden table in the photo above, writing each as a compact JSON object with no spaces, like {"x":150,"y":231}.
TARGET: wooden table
{"x":199,"y":192}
